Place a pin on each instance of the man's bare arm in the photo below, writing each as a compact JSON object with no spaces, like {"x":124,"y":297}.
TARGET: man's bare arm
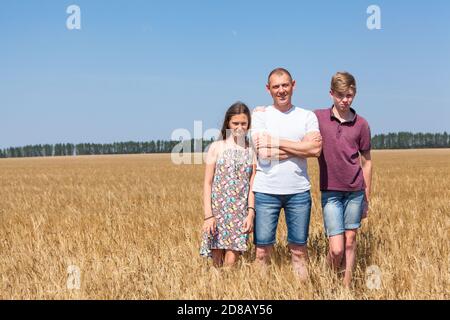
{"x":310,"y":146}
{"x":303,"y":149}
{"x":273,"y":154}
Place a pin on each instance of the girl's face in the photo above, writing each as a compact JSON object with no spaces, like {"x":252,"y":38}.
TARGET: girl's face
{"x":238,"y":125}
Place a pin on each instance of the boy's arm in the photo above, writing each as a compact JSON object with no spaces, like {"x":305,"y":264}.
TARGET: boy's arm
{"x":366,"y":164}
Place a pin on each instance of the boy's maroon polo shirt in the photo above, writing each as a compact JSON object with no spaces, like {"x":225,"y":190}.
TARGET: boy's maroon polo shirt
{"x":340,"y":167}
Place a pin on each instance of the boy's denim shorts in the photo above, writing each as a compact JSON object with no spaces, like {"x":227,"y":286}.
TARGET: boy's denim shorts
{"x":297,"y":210}
{"x":341,"y":211}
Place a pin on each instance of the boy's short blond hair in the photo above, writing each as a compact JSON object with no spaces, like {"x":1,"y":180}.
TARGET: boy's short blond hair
{"x":343,"y":82}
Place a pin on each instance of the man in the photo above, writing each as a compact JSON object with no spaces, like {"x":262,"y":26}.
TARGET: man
{"x":284,"y":136}
{"x":345,"y":172}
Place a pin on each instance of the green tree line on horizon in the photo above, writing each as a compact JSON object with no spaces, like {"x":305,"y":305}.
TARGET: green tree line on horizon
{"x":400,"y":140}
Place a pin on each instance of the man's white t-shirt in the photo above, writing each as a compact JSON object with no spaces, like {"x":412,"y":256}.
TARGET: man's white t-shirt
{"x":283,"y":176}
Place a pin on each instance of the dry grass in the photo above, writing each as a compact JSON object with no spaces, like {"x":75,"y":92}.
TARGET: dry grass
{"x":132,"y":226}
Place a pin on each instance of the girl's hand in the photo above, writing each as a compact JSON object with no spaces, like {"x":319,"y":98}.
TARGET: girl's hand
{"x":209,"y":226}
{"x":248,"y":223}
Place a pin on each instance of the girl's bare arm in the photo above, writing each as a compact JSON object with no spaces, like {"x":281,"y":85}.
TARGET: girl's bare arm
{"x":209,"y":176}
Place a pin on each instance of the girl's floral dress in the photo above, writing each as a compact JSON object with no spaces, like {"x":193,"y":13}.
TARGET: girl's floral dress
{"x":229,"y":196}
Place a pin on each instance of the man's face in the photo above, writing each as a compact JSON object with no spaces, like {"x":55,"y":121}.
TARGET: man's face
{"x":343,"y":101}
{"x":281,"y":87}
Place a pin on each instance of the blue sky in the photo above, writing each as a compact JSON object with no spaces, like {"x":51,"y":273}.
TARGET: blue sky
{"x":138,"y":70}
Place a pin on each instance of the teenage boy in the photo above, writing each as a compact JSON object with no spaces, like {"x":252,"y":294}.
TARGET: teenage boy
{"x":345,"y":173}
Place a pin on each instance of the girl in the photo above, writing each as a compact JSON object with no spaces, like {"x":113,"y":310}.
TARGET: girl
{"x":228,"y":197}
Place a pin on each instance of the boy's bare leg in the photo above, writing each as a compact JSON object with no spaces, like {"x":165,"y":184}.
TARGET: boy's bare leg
{"x":336,"y":251}
{"x":350,"y":256}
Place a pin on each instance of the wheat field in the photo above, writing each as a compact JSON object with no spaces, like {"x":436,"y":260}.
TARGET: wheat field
{"x":130,"y":228}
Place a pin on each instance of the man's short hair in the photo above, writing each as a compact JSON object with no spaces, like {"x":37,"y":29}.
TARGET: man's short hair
{"x":278,"y":71}
{"x":342,"y":82}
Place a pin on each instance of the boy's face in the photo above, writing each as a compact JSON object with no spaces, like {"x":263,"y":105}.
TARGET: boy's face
{"x":281,"y":87}
{"x":343,"y":100}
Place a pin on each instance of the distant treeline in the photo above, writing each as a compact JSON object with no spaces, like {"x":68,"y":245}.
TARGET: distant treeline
{"x":408,"y":140}
{"x":130,"y":147}
{"x":401,"y":140}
